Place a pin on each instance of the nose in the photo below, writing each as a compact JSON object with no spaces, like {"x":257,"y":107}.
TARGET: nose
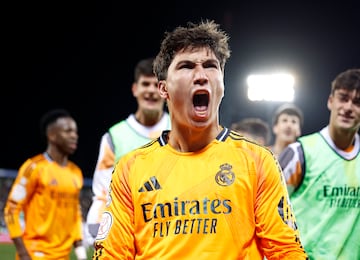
{"x":348,"y":104}
{"x":200,"y":76}
{"x":352,"y":101}
{"x":74,"y":134}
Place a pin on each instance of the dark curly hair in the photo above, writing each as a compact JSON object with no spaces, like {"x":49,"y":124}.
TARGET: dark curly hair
{"x":348,"y":79}
{"x":50,"y":117}
{"x":204,"y":34}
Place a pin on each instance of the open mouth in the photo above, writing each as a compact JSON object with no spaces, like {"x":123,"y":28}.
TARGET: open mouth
{"x":151,"y":98}
{"x":201,"y":100}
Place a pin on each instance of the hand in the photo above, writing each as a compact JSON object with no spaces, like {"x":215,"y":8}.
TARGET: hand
{"x":88,"y":239}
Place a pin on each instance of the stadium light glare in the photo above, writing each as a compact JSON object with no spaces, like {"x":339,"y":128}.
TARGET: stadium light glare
{"x":271,"y":87}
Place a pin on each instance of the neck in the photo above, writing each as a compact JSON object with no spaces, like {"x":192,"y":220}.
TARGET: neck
{"x":343,"y":139}
{"x":57,"y":157}
{"x":148,"y":117}
{"x":191,"y":140}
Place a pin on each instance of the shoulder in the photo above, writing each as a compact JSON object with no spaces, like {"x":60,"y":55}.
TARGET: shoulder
{"x":310,"y":142}
{"x":32,"y":165}
{"x":144,"y":150}
{"x":243,"y":143}
{"x":293,"y":150}
{"x":118,"y":125}
{"x":247,"y":151}
{"x":33,"y":162}
{"x":309,"y":137}
{"x":74,"y":167}
{"x":140,"y":158}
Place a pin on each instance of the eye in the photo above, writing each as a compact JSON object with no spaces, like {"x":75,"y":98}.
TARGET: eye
{"x":210,"y":64}
{"x":356,"y":100}
{"x":343,"y":97}
{"x":186,"y":65}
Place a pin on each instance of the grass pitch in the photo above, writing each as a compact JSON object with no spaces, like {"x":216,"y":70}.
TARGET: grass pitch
{"x":7,"y":252}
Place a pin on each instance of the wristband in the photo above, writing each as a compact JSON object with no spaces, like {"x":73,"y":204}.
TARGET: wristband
{"x":80,"y":253}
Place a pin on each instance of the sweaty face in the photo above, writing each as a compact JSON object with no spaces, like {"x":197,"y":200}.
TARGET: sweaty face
{"x":194,"y":88}
{"x":145,"y":90}
{"x":287,"y":128}
{"x":344,"y":106}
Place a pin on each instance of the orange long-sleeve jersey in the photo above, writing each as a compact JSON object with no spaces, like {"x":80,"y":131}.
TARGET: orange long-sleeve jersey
{"x":227,"y":201}
{"x":48,"y":194}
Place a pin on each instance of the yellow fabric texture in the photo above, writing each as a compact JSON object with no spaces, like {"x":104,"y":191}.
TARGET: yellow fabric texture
{"x":223,"y":202}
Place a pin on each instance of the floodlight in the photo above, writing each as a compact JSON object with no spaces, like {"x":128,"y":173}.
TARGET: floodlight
{"x":271,"y":87}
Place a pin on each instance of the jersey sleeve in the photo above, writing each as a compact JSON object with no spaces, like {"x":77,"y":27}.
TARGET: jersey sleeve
{"x":275,"y":220}
{"x":100,"y":186}
{"x":292,"y":163}
{"x":117,"y":220}
{"x":21,"y":191}
{"x":79,"y":234}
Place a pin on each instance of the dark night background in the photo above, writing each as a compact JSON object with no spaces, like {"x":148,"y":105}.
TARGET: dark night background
{"x":81,"y":55}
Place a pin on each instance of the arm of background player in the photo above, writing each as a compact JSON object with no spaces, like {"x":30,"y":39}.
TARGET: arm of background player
{"x":21,"y":190}
{"x":291,"y":161}
{"x":100,"y":185}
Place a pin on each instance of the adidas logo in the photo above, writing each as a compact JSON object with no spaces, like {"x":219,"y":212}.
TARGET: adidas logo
{"x":151,"y":184}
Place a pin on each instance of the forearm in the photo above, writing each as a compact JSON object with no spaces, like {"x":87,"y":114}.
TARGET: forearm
{"x":21,"y":249}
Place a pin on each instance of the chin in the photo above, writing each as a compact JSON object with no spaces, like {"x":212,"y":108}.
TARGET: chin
{"x":200,"y":124}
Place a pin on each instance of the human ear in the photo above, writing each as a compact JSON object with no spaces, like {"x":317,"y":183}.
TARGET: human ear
{"x":163,"y":89}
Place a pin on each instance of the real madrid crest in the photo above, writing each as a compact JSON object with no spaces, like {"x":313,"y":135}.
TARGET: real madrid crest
{"x":225,"y":176}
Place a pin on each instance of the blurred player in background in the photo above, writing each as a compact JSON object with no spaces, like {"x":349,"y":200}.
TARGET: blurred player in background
{"x":47,"y":190}
{"x":138,"y":128}
{"x":254,"y":128}
{"x":287,"y":122}
{"x":322,"y":172}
